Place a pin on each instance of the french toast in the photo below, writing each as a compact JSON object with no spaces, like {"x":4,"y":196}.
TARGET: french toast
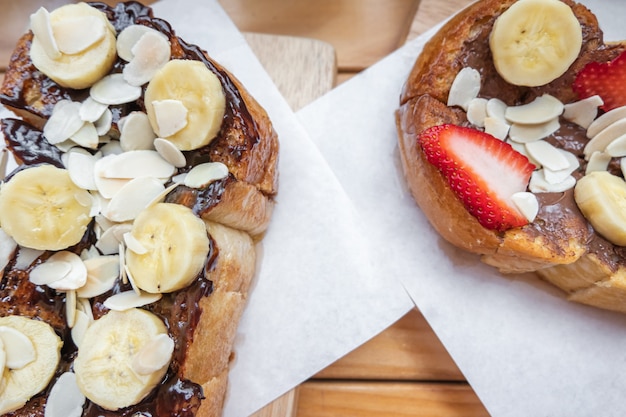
{"x":558,"y":242}
{"x":185,"y":259}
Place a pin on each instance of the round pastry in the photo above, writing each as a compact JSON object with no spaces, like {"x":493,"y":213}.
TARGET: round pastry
{"x":146,"y":173}
{"x":506,"y":120}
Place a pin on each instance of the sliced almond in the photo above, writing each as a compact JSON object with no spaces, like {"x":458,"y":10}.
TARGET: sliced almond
{"x":548,"y":155}
{"x":133,"y":244}
{"x":496,"y":127}
{"x":558,"y":176}
{"x":171,"y":116}
{"x":7,"y":249}
{"x":617,"y":148}
{"x":73,"y":278}
{"x":112,"y":148}
{"x":530,"y":133}
{"x":65,"y":398}
{"x":130,"y":299}
{"x":110,"y":239}
{"x":540,"y":110}
{"x":81,"y":324}
{"x":600,"y":141}
{"x":80,"y":165}
{"x":132,"y":198}
{"x":63,"y":122}
{"x":42,"y":29}
{"x":102,"y":273}
{"x":527,"y":204}
{"x":113,"y":89}
{"x":161,"y":197}
{"x":129,"y":36}
{"x":107,"y":187}
{"x":86,"y":136}
{"x":136,"y":132}
{"x":598,"y":161}
{"x":150,"y":53}
{"x":605,"y":120}
{"x":170,"y":152}
{"x":91,"y":110}
{"x":583,"y":112}
{"x":538,"y":183}
{"x":134,"y":164}
{"x":70,"y":308}
{"x":464,"y":88}
{"x":48,"y":272}
{"x":18,"y":347}
{"x":477,"y":111}
{"x":104,"y":123}
{"x":76,"y":34}
{"x":26,"y":257}
{"x":496,"y":108}
{"x":154,"y":355}
{"x":203,"y":174}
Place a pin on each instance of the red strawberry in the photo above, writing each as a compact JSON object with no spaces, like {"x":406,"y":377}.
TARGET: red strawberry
{"x":606,"y":79}
{"x":484,"y":172}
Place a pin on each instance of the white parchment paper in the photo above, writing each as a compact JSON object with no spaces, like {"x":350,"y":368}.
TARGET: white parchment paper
{"x":525,"y":350}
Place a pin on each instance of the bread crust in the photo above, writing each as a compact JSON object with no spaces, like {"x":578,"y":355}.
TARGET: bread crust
{"x":236,"y":211}
{"x":560,"y":251}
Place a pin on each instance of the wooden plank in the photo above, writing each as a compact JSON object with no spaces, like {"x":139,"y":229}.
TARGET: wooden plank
{"x":408,"y":350}
{"x":354,"y":399}
{"x":284,"y":406}
{"x":362,"y":31}
{"x":431,"y":12}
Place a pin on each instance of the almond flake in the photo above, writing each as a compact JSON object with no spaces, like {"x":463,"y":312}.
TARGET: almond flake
{"x":129,"y":299}
{"x":538,"y":183}
{"x":617,"y":148}
{"x":203,"y":174}
{"x":171,"y":116}
{"x":622,"y":165}
{"x":7,"y":249}
{"x":102,"y":273}
{"x":76,"y":34}
{"x":548,"y":155}
{"x":73,"y":278}
{"x":540,"y":110}
{"x":496,"y":108}
{"x":598,"y":161}
{"x":161,"y":197}
{"x":63,"y":122}
{"x":134,"y":245}
{"x":3,"y":357}
{"x":81,"y":324}
{"x":134,"y":164}
{"x":65,"y":398}
{"x":170,"y":152}
{"x":70,"y":308}
{"x":42,"y":30}
{"x":150,"y":53}
{"x":128,"y":37}
{"x":136,"y":132}
{"x":496,"y":127}
{"x":465,"y":87}
{"x":154,"y":355}
{"x":49,"y":271}
{"x":18,"y":347}
{"x":26,"y":257}
{"x":80,"y":165}
{"x":132,"y":198}
{"x":86,"y":136}
{"x":583,"y":112}
{"x":527,"y":204}
{"x":605,"y":120}
{"x":558,"y":176}
{"x":523,"y":133}
{"x":84,"y":306}
{"x":112,"y":148}
{"x":600,"y":141}
{"x":477,"y":111}
{"x":521,"y":148}
{"x":113,"y":89}
{"x":107,"y":187}
{"x":110,"y":239}
{"x":103,"y":124}
{"x":91,"y":110}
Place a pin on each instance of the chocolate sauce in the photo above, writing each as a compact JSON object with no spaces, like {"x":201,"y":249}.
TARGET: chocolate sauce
{"x":180,"y":310}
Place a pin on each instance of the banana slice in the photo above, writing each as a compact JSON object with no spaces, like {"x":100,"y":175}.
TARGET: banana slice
{"x":87,"y":56}
{"x":19,"y":385}
{"x":41,"y":208}
{"x":104,"y":366}
{"x":188,"y":84}
{"x":535,"y":41}
{"x":176,"y":245}
{"x":601,"y":198}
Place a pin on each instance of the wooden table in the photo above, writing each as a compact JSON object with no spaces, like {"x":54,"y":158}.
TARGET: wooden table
{"x":404,"y":371}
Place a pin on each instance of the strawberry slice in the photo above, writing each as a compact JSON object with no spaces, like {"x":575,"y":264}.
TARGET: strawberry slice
{"x":606,"y":79}
{"x":483,"y":171}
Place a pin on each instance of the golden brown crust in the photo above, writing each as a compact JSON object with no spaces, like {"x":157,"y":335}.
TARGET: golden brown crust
{"x":559,"y":252}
